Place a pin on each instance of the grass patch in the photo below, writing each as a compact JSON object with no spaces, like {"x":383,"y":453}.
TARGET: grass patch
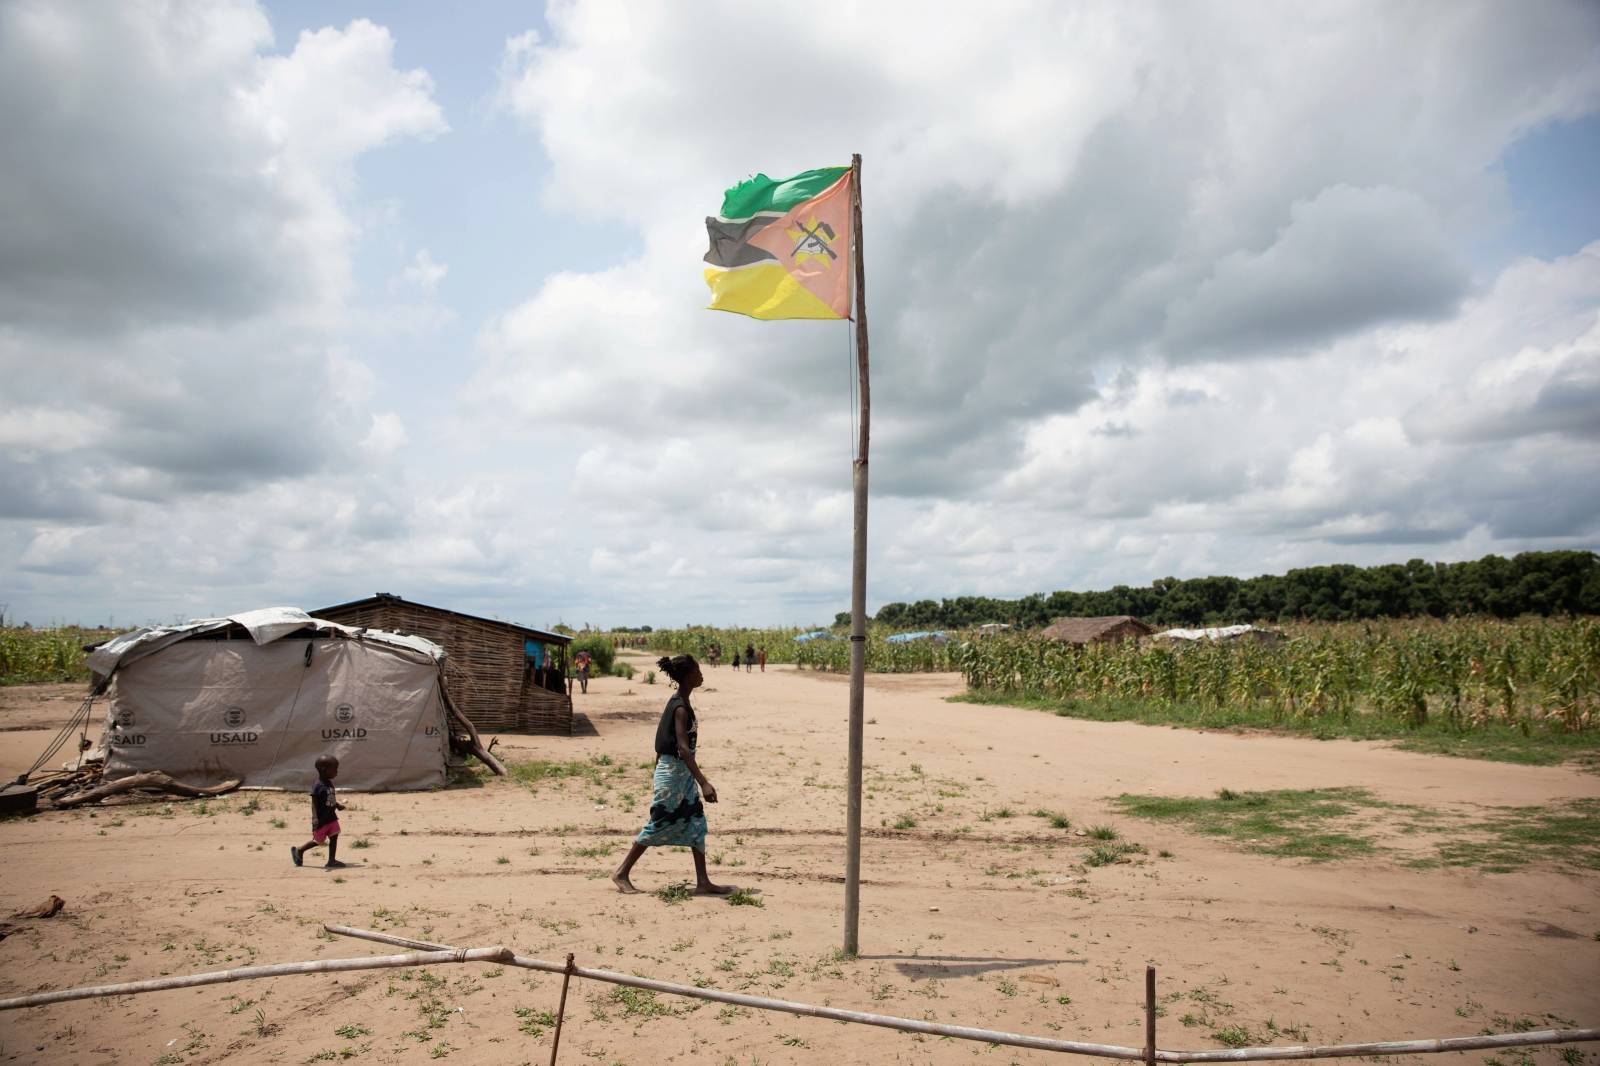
{"x":1234,"y":1036}
{"x":535,"y":772}
{"x":640,"y":1003}
{"x":1509,"y":745}
{"x":1513,"y":837}
{"x":1319,"y":824}
{"x":532,"y":1022}
{"x":1292,"y":823}
{"x":743,"y":897}
{"x":470,"y":774}
{"x":1110,"y":854}
{"x":676,"y":892}
{"x":1498,"y":740}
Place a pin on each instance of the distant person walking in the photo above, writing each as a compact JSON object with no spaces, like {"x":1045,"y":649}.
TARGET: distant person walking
{"x":761,"y":657}
{"x":749,"y":657}
{"x":677,"y":816}
{"x":583,"y":662}
{"x":736,"y":658}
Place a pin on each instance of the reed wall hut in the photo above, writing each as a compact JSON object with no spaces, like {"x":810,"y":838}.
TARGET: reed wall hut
{"x":506,"y":678}
{"x":1106,"y":629}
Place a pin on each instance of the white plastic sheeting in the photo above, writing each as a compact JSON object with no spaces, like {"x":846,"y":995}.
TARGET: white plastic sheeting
{"x":264,"y":626}
{"x":208,"y":710}
{"x":1219,"y":634}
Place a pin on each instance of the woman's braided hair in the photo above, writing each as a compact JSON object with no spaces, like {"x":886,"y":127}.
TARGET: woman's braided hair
{"x":676,"y":667}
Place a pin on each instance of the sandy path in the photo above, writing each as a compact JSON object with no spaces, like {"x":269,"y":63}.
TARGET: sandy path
{"x":985,"y":922}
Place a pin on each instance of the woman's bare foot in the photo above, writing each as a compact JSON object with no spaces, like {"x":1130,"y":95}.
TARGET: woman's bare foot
{"x":624,"y":885}
{"x":709,"y":889}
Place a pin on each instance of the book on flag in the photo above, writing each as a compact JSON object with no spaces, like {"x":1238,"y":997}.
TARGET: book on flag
{"x":781,"y":248}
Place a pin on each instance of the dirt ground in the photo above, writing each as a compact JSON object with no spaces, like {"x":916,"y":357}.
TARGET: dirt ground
{"x":968,"y":916}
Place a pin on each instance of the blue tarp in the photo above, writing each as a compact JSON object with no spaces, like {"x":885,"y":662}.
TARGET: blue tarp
{"x":815,"y":634}
{"x":907,"y":638}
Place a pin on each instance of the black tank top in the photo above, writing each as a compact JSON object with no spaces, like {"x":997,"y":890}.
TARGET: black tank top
{"x":667,"y":731}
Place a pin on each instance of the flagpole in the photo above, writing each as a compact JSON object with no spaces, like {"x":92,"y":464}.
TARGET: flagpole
{"x":858,"y":587}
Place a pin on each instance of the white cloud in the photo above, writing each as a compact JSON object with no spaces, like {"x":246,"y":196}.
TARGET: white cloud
{"x":181,"y":251}
{"x":424,"y":272}
{"x":1177,"y":291}
{"x":387,"y":435}
{"x":352,"y":70}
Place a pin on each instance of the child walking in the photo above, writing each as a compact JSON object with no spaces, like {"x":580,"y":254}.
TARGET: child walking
{"x":325,"y":806}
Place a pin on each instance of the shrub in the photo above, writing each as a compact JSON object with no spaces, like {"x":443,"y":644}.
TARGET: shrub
{"x":599,"y":649}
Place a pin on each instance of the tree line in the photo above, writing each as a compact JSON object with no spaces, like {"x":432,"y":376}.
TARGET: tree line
{"x":1538,"y":583}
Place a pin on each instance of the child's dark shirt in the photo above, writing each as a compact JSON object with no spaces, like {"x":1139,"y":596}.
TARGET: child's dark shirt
{"x":322,"y":801}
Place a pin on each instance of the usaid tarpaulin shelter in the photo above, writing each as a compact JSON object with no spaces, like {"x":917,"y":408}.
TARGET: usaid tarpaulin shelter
{"x":259,"y":696}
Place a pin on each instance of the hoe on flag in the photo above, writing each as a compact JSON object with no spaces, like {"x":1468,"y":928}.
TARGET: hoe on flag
{"x":792,"y":249}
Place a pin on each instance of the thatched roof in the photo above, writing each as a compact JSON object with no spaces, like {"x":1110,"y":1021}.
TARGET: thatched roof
{"x":1090,"y":630}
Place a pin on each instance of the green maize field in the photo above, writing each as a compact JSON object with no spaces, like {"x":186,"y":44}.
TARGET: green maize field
{"x":33,"y":656}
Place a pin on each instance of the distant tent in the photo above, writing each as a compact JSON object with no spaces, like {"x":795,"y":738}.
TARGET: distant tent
{"x":1108,"y":629}
{"x":991,"y":629}
{"x":1222,"y":635}
{"x":260,"y":695}
{"x":935,"y":636}
{"x":815,"y":634}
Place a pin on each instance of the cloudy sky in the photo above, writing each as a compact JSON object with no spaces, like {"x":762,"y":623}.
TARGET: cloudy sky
{"x":302,"y":301}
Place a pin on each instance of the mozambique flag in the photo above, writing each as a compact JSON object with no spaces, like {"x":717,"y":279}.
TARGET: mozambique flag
{"x":781,"y":249}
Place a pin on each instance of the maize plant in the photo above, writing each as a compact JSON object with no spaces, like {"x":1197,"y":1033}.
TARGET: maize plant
{"x":1466,"y":673}
{"x":32,"y":656}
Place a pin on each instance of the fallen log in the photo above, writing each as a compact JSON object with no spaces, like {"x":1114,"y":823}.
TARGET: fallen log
{"x":154,"y":780}
{"x":476,"y":747}
{"x":41,"y":910}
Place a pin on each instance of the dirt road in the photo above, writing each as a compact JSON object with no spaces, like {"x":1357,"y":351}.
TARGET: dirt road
{"x":975,"y":911}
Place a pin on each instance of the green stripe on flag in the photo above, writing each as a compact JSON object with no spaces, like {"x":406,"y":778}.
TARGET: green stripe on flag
{"x":762,"y":193}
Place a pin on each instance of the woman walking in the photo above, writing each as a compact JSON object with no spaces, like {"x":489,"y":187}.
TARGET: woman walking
{"x":676,"y":813}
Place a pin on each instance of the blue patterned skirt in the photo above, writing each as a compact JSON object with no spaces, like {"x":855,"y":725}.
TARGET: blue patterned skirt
{"x":676,"y":814}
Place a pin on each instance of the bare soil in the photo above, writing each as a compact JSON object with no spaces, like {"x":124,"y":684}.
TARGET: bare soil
{"x":979,"y":913}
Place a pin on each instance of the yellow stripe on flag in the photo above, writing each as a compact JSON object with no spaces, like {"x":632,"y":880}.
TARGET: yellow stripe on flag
{"x":764,"y":291}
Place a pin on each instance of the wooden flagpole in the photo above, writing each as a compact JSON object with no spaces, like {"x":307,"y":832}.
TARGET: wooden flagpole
{"x":858,"y":587}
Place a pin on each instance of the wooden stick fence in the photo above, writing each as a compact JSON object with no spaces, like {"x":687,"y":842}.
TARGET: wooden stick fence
{"x":430,"y":957}
{"x":787,"y":1006}
{"x":426,"y":953}
{"x":1149,"y":1053}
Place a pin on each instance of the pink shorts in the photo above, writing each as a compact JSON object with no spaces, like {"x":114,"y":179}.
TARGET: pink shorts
{"x":323,"y":832}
